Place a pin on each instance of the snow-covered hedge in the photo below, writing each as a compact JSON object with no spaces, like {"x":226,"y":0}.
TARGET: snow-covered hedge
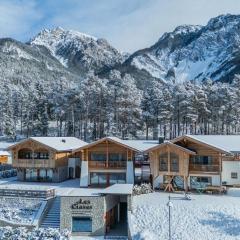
{"x":9,"y":233}
{"x":142,"y":189}
{"x":17,"y":210}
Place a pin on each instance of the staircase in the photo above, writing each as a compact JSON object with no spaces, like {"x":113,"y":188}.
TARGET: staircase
{"x":52,"y":218}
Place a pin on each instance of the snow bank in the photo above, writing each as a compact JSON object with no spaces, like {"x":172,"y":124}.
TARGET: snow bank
{"x":204,"y":217}
{"x":19,"y":211}
{"x":7,"y":233}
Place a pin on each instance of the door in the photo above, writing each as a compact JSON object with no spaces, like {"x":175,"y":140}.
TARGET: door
{"x":70,"y":172}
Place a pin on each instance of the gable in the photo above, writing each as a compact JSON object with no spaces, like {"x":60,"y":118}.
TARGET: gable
{"x":198,"y":146}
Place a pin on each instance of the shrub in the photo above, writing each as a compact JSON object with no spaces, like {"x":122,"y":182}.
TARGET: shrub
{"x":9,"y":233}
{"x":142,"y":189}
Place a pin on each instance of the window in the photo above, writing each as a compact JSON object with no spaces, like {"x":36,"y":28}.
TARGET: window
{"x":107,"y":178}
{"x":98,"y":157}
{"x":25,"y":154}
{"x":117,"y":178}
{"x":98,"y":178}
{"x":234,"y":175}
{"x":43,"y":155}
{"x":81,"y":224}
{"x":200,"y":182}
{"x":49,"y":174}
{"x":201,"y":160}
{"x":117,"y":157}
{"x":31,"y":175}
{"x":163,"y":162}
{"x":174,"y":160}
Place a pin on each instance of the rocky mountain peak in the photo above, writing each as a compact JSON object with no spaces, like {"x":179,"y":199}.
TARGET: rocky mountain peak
{"x":78,"y":51}
{"x":194,"y":52}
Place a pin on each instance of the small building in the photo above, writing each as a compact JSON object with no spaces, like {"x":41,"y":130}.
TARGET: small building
{"x":4,"y":157}
{"x":109,"y":160}
{"x":46,"y":158}
{"x":95,"y":212}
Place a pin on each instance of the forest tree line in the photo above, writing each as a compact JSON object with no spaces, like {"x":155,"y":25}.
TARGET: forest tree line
{"x":98,"y":107}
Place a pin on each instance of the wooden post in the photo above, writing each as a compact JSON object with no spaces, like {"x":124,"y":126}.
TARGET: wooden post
{"x":220,"y":167}
{"x":185,"y":179}
{"x":87,"y":154}
{"x":107,"y":154}
{"x":169,"y":170}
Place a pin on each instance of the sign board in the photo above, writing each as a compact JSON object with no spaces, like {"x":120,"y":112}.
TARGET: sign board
{"x":82,"y":204}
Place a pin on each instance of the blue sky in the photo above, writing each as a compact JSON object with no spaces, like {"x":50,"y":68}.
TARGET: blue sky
{"x":127,"y":24}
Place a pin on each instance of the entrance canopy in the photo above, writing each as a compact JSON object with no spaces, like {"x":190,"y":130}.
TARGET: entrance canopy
{"x":118,"y":189}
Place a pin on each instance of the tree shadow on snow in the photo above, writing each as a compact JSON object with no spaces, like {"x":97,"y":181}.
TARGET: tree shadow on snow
{"x":137,"y":237}
{"x":224,"y":222}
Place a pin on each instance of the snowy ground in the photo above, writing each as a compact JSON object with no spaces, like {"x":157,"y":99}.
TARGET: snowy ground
{"x":204,"y":217}
{"x":15,"y":210}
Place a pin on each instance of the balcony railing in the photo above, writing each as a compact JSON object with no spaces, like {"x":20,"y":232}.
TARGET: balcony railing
{"x":204,"y":168}
{"x":110,"y":164}
{"x":34,"y":163}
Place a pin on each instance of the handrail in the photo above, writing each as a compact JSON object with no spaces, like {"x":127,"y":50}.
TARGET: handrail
{"x":204,"y":168}
{"x":109,"y":164}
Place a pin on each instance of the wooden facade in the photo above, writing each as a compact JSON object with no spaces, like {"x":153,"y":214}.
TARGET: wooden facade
{"x":106,"y":161}
{"x":203,"y":150}
{"x":36,"y":161}
{"x":4,"y":159}
{"x":106,"y":148}
{"x":195,"y":159}
{"x":55,"y":159}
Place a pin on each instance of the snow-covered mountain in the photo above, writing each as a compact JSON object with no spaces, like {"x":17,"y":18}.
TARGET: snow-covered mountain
{"x":24,"y":64}
{"x":78,"y":51}
{"x":188,"y":53}
{"x":192,"y":53}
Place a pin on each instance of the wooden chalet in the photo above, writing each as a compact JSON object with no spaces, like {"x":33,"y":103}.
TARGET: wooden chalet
{"x":45,"y":158}
{"x":109,"y":160}
{"x":186,"y":162}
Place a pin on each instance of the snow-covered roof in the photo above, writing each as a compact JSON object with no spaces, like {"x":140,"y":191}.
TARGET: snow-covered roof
{"x":116,"y":189}
{"x":59,"y":143}
{"x":120,"y":189}
{"x":81,"y":192}
{"x":171,"y":144}
{"x":25,"y":187}
{"x":140,"y":145}
{"x":228,"y":143}
{"x":4,"y":153}
{"x":136,"y":145}
{"x":5,"y":145}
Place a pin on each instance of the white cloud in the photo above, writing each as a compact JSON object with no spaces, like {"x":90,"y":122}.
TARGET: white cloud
{"x":135,"y":24}
{"x":127,"y":24}
{"x":17,"y":17}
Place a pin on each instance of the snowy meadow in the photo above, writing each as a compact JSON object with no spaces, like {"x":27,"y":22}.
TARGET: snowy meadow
{"x":203,"y":217}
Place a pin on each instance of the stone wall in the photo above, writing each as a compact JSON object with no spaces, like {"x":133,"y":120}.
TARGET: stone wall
{"x":96,"y":213}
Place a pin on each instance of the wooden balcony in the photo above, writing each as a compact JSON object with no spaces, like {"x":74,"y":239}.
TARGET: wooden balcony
{"x":110,"y":164}
{"x":204,"y":168}
{"x":34,"y":163}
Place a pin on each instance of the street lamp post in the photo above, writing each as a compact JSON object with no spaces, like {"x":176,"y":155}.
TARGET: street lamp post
{"x":169,"y":204}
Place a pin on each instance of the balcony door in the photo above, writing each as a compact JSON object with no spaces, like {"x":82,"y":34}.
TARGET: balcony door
{"x":106,"y":179}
